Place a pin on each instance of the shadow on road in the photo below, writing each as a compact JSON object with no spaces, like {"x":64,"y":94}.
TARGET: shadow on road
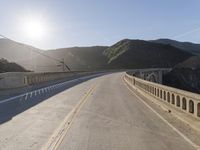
{"x":16,"y":106}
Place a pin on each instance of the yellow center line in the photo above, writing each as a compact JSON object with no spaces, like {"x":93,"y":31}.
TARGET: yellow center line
{"x":58,"y":136}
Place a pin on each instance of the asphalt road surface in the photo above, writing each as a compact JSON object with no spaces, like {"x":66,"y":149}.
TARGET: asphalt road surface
{"x":96,"y":114}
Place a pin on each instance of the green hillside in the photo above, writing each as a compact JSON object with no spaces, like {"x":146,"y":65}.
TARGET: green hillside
{"x":143,"y":54}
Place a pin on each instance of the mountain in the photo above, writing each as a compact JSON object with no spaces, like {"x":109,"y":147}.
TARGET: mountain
{"x":27,"y":56}
{"x":186,"y":46}
{"x":185,"y":75}
{"x":125,"y":54}
{"x":143,"y":54}
{"x":31,"y":58}
{"x":6,"y":66}
{"x":81,"y":58}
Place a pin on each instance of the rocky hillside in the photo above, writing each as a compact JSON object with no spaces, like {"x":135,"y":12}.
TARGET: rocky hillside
{"x":185,"y":75}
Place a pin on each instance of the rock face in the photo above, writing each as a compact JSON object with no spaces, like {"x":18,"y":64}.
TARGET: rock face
{"x":185,"y":75}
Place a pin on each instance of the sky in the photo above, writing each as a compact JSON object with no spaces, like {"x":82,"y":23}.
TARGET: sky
{"x":68,"y":23}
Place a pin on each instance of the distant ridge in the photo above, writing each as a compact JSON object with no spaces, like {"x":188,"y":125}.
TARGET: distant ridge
{"x":125,"y":54}
{"x":82,"y":58}
{"x":143,"y":54}
{"x":186,"y":46}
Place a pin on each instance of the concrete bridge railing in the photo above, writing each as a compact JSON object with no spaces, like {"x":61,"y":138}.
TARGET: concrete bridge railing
{"x":13,"y":80}
{"x":185,"y":101}
{"x":151,"y":74}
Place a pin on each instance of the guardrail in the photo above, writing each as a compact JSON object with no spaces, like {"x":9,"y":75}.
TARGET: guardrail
{"x":185,"y":101}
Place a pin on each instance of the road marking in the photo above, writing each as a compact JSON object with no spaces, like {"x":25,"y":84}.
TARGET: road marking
{"x":43,"y":90}
{"x":58,"y":136}
{"x":163,"y":119}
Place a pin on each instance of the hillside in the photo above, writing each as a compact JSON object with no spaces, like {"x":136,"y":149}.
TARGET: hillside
{"x":185,"y":75}
{"x":24,"y":55}
{"x":81,"y":58}
{"x":186,"y":46}
{"x":31,"y":58}
{"x":125,"y":54}
{"x":143,"y":54}
{"x":190,"y":63}
{"x":6,"y":66}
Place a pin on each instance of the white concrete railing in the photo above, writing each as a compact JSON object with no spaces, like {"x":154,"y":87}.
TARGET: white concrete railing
{"x":185,"y":101}
{"x":22,"y":79}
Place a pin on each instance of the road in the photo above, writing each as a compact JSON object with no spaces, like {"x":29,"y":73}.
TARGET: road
{"x":98,"y":114}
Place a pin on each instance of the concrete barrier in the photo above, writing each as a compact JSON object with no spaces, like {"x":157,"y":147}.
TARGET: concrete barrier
{"x":185,"y":101}
{"x":12,"y":80}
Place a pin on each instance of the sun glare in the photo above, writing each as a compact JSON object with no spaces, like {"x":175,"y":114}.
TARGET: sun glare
{"x":34,"y":29}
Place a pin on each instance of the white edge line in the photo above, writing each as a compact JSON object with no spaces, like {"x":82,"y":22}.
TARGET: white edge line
{"x":58,"y":84}
{"x":163,"y":119}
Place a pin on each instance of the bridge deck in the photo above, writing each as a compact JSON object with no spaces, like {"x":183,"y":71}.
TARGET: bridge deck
{"x":107,"y":116}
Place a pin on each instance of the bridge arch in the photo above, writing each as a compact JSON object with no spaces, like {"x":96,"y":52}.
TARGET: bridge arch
{"x":152,"y":77}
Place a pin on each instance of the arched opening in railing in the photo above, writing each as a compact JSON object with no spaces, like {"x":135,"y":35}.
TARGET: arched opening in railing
{"x":168,"y":97}
{"x":173,"y":98}
{"x":198,"y":109}
{"x":184,"y":104}
{"x":161,"y":94}
{"x":191,"y":106}
{"x":164,"y":95}
{"x":178,"y":100}
{"x":157,"y":92}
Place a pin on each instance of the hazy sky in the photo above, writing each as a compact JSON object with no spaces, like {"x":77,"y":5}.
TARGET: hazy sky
{"x":69,"y":23}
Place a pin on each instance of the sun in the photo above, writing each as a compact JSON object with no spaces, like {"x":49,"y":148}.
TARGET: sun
{"x":34,"y":28}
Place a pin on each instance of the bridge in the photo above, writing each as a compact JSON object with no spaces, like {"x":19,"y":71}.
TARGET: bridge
{"x":97,"y":110}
